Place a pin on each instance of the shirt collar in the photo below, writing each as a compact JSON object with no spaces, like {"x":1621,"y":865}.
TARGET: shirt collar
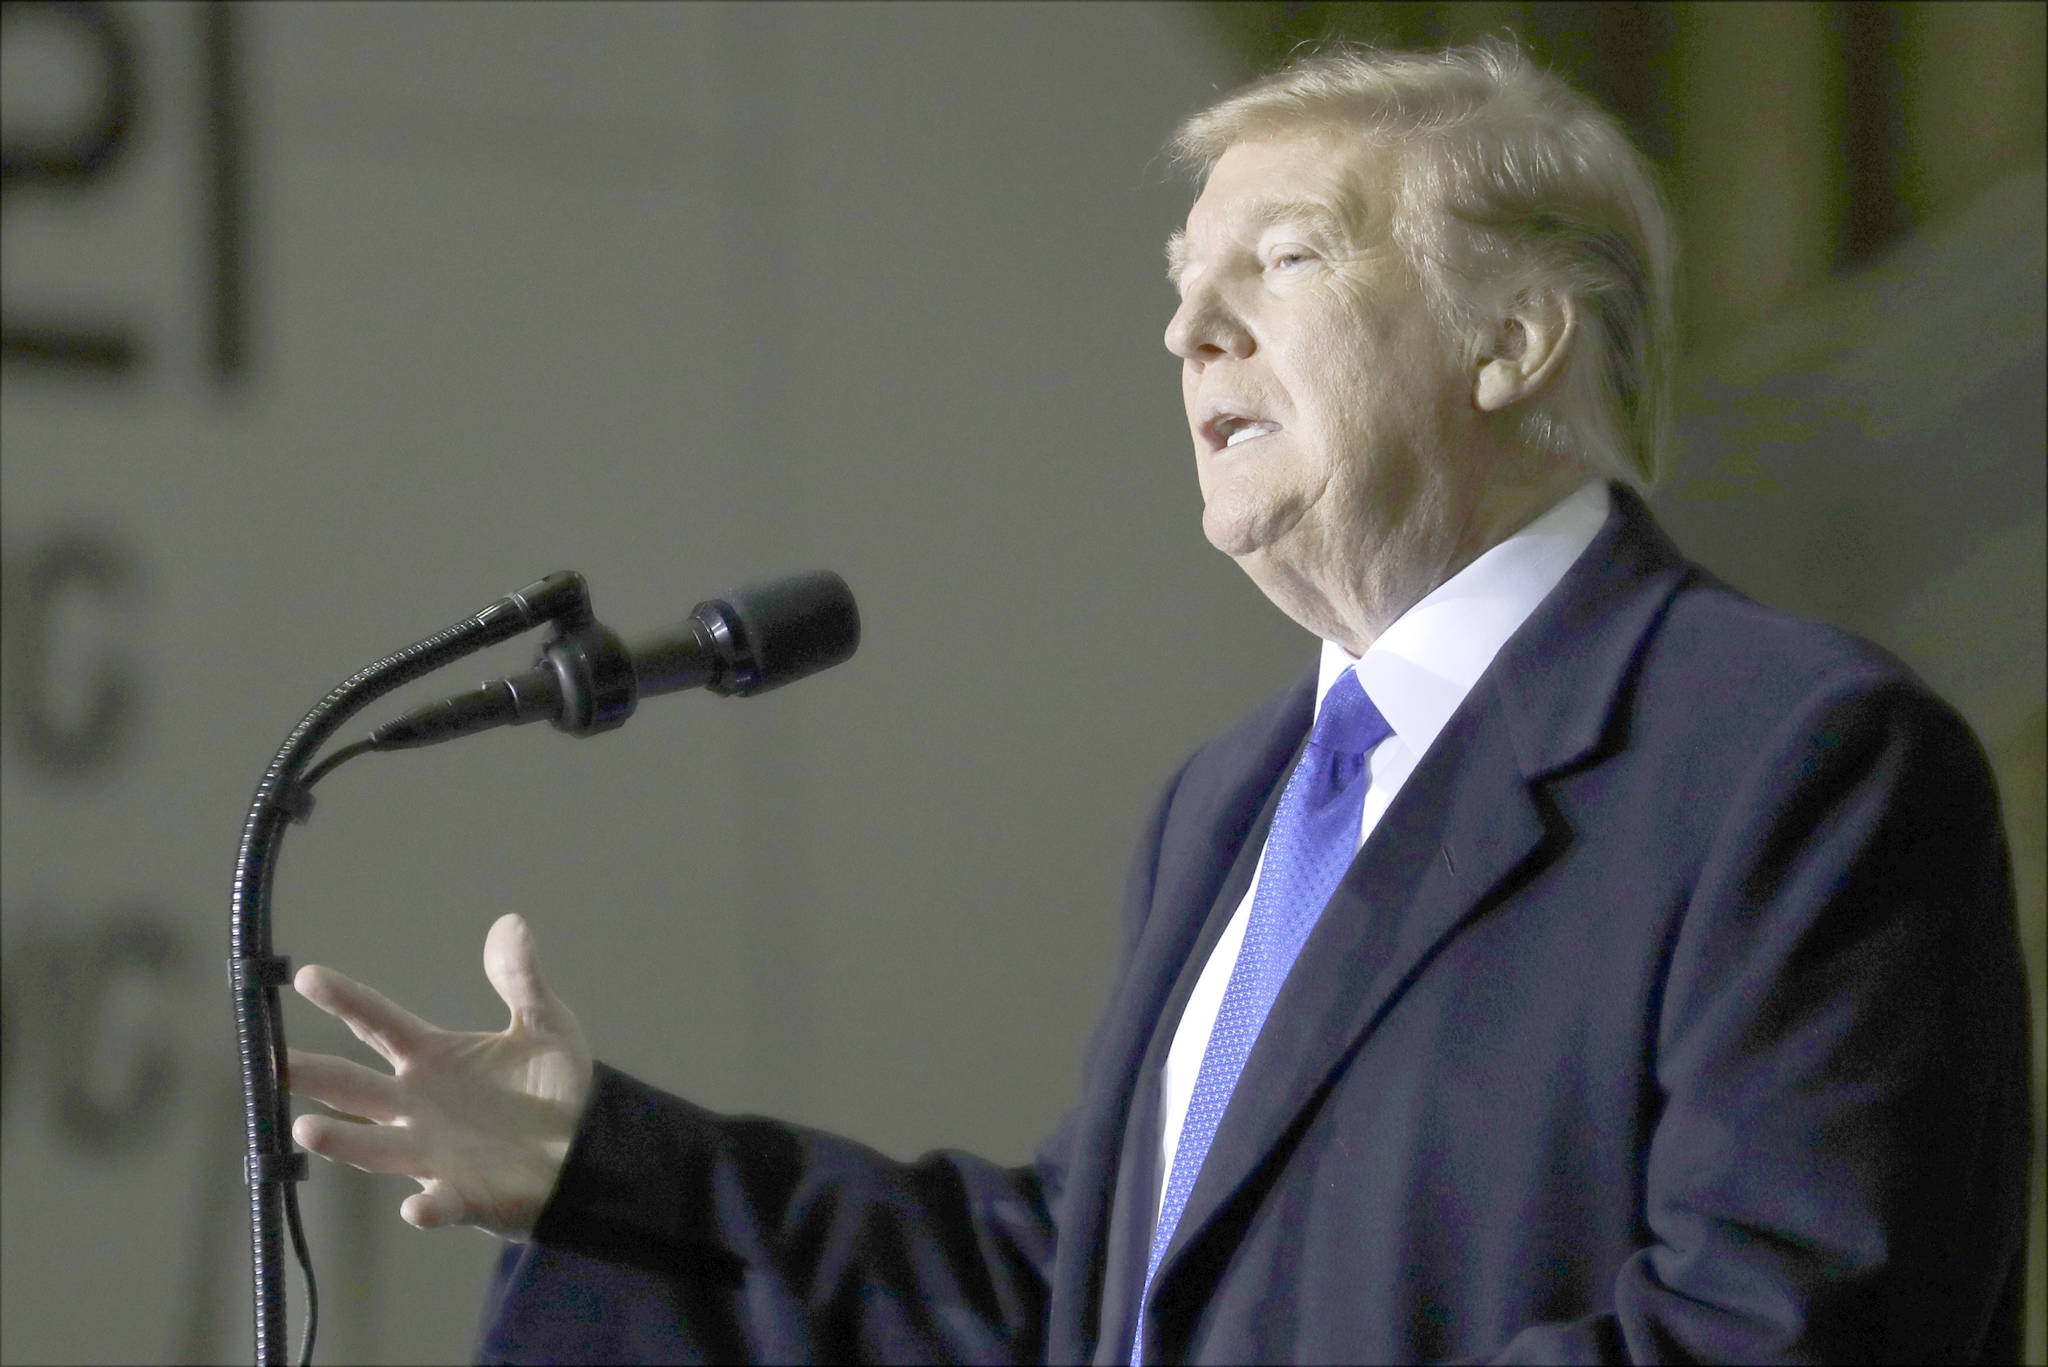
{"x":1422,"y":666}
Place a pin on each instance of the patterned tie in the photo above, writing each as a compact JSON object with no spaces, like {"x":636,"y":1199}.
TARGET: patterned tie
{"x":1313,"y":841}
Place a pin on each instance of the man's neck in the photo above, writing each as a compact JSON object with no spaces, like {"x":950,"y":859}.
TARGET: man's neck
{"x":1505,"y":508}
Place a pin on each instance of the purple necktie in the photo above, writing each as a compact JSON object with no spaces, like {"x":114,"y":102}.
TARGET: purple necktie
{"x":1313,"y":841}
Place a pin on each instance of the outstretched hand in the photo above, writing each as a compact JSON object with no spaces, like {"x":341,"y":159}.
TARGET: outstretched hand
{"x":481,"y":1120}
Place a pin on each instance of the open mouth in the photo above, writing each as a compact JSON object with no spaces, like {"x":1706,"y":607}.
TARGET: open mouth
{"x":1229,"y":432}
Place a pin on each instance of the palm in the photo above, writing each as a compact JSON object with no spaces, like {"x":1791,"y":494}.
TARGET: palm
{"x":482,"y":1120}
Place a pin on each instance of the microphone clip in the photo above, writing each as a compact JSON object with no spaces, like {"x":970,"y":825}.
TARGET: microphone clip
{"x":584,"y":663}
{"x":592,"y":675}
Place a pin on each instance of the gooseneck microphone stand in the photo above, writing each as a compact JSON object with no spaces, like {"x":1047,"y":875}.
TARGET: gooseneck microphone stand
{"x":586,"y":682}
{"x":271,"y":1165}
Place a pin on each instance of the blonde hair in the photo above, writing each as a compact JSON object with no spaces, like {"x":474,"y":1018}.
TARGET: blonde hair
{"x":1508,"y":184}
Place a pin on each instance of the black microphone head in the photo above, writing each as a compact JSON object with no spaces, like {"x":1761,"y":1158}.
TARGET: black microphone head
{"x":767,"y":635}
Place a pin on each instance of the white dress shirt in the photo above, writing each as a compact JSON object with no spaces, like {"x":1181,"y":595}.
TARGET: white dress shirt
{"x":1416,"y":673}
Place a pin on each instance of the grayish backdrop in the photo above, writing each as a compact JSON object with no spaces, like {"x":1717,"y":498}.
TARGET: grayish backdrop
{"x":679,"y":296}
{"x":675,"y":296}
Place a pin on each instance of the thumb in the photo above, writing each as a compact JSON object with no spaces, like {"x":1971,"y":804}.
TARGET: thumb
{"x":513,"y":965}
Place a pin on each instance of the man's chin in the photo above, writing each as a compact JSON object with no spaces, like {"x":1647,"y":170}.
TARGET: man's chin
{"x":1241,"y":532}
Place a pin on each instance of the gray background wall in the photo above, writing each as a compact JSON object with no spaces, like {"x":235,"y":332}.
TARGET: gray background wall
{"x":678,"y":296}
{"x":675,"y":296}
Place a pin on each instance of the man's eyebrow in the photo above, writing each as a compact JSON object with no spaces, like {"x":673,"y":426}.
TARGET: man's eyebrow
{"x":1319,"y":218}
{"x":1314,"y":214}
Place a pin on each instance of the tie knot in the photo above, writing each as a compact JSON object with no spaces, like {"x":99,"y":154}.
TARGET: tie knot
{"x":1348,"y":722}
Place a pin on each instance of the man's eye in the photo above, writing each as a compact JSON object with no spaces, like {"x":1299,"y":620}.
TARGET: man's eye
{"x":1284,"y":260}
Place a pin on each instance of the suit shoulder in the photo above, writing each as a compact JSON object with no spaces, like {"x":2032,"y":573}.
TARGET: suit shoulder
{"x":1722,"y":645}
{"x":1725,"y":669}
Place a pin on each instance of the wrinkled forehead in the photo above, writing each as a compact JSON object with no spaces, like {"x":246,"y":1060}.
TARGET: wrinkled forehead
{"x":1328,"y":181}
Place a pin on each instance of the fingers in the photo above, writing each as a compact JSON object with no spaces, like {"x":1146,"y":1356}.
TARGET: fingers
{"x":344,"y":1085}
{"x":377,"y":1021}
{"x":372,"y":1148}
{"x":512,"y":963}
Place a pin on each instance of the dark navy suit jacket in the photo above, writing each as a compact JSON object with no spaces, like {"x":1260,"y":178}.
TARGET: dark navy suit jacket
{"x":1674,"y":1011}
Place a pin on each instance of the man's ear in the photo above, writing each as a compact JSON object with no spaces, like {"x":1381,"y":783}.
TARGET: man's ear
{"x":1529,"y":350}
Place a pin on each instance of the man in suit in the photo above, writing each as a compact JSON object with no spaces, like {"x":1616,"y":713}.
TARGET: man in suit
{"x":1581,"y":963}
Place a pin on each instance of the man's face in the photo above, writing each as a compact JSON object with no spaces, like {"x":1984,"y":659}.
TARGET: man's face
{"x":1332,"y":423}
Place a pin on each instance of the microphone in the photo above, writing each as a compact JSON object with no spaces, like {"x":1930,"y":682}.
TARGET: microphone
{"x":586,"y":681}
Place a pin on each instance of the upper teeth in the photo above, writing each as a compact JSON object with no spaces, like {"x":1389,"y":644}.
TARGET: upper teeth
{"x":1247,"y":432}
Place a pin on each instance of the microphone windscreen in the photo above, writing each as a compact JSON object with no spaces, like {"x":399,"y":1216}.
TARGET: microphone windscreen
{"x":788,"y":629}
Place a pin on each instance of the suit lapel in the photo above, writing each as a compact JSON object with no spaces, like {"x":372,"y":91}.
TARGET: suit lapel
{"x":1399,"y":902}
{"x":1464,"y":831}
{"x":1138,"y":1177}
{"x":1215,"y":821}
{"x":1226,"y":800}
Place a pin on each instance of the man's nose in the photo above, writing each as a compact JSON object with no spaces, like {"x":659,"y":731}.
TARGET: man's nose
{"x":1205,"y":328}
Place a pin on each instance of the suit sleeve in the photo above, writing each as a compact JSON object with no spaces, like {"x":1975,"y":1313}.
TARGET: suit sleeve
{"x":678,"y":1235}
{"x":1838,"y":1171}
